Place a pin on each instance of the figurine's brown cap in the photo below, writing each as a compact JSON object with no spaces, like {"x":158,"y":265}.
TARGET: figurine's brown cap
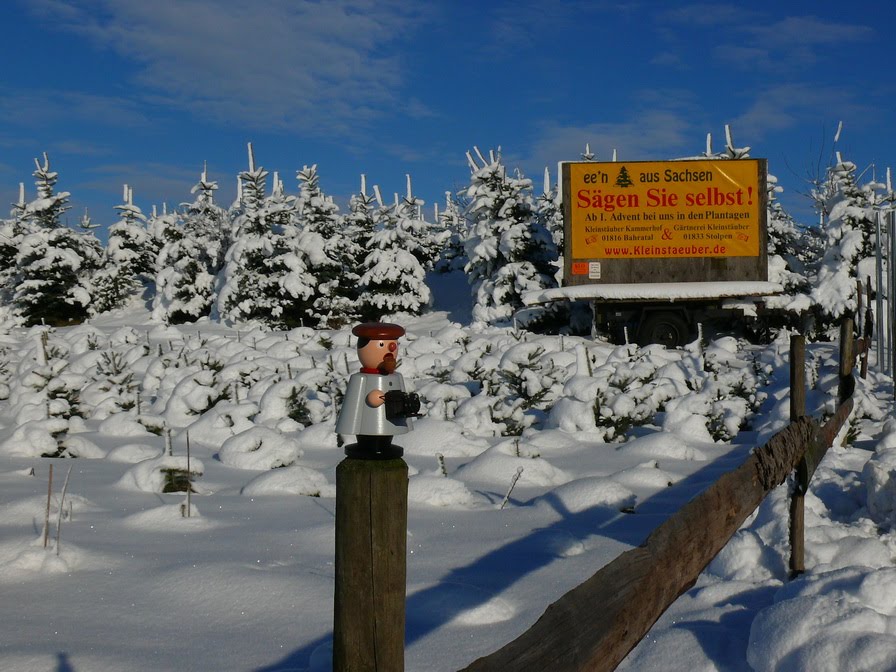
{"x":374,"y":330}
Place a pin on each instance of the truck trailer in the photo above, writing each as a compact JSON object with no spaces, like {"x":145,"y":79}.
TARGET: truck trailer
{"x":659,"y":247}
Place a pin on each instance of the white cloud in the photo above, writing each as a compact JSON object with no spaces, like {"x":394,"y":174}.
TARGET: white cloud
{"x":37,"y":107}
{"x":752,"y":39}
{"x":152,"y":182}
{"x":648,"y":135}
{"x":287,"y":64}
{"x":787,"y":106}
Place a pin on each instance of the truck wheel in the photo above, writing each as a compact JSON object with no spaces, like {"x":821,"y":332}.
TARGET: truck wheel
{"x":666,"y":328}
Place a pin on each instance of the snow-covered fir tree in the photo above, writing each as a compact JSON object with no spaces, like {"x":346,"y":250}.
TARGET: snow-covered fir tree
{"x":849,"y":230}
{"x":550,"y":216}
{"x":425,"y":240}
{"x":509,"y":251}
{"x":268,"y":272}
{"x":189,"y":264}
{"x":164,"y":228}
{"x":336,"y":300}
{"x":50,"y":277}
{"x":129,"y":260}
{"x":93,"y":249}
{"x":45,"y":211}
{"x":790,"y":261}
{"x":11,"y":231}
{"x":452,"y":220}
{"x":298,"y":263}
{"x":244,"y":279}
{"x":392,"y":279}
{"x":360,"y":222}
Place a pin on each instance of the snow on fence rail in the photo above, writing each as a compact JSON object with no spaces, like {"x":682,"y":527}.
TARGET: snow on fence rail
{"x":595,"y":625}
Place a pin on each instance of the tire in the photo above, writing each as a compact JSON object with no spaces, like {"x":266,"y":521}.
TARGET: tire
{"x":665,"y":328}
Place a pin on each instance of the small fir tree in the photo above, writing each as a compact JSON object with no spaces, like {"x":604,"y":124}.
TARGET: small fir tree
{"x":129,"y":259}
{"x":393,"y":281}
{"x":268,"y":275}
{"x":189,"y":264}
{"x":336,"y":274}
{"x":50,"y":258}
{"x":849,"y":244}
{"x":452,"y":221}
{"x":11,"y":232}
{"x":509,"y":251}
{"x":423,"y":239}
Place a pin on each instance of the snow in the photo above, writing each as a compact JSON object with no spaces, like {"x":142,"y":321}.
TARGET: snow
{"x":245,"y":581}
{"x":654,"y":291}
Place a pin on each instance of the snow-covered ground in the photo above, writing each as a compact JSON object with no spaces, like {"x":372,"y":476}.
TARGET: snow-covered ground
{"x":614,"y":440}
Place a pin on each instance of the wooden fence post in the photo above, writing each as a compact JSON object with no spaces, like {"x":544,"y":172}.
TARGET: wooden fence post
{"x":867,"y":332}
{"x":847,"y":383}
{"x":801,"y":481}
{"x":371,"y":565}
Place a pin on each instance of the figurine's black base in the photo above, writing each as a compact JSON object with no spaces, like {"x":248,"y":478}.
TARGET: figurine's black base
{"x":373,"y":448}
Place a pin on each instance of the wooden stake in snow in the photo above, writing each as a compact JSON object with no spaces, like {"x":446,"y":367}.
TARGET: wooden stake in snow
{"x":189,"y":478}
{"x":516,"y":477}
{"x":61,"y":503}
{"x":47,"y":514}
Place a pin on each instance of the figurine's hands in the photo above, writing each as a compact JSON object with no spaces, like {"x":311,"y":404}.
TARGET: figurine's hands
{"x":376,"y":398}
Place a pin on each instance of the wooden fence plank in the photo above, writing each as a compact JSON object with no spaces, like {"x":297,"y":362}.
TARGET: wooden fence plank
{"x":596,"y":624}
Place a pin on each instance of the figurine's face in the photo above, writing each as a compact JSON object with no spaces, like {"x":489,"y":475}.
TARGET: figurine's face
{"x":379,"y":354}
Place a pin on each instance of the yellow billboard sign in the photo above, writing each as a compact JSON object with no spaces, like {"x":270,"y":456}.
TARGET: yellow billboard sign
{"x":665,"y":209}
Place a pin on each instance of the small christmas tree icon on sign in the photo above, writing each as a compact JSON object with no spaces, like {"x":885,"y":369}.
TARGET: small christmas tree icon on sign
{"x":623,"y":179}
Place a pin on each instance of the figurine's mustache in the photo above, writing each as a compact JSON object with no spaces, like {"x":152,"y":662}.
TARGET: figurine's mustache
{"x":388,"y":364}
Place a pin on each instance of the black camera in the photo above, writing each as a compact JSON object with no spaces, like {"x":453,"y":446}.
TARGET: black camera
{"x":402,"y":405}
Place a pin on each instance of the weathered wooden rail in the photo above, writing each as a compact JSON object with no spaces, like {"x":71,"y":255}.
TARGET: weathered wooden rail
{"x":595,"y":625}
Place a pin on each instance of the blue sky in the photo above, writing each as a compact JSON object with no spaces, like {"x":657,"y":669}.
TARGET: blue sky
{"x":137,"y":92}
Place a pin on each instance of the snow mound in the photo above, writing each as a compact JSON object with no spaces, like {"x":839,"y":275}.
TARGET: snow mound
{"x":432,"y":436}
{"x":34,"y":438}
{"x":152,"y":475}
{"x":170,"y":518}
{"x":557,"y":443}
{"x":22,"y":561}
{"x":439,"y":491}
{"x":132,"y":453}
{"x":295,"y":480}
{"x":880,"y":482}
{"x":663,"y":445}
{"x":318,"y":437}
{"x":122,"y":425}
{"x":588,"y":493}
{"x":32,"y":510}
{"x":841,"y":620}
{"x":221,"y":422}
{"x":260,"y":448}
{"x":745,"y":558}
{"x":78,"y":446}
{"x":646,"y":476}
{"x":499,"y":463}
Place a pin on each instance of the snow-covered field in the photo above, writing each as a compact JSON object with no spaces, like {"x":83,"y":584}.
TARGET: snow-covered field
{"x":614,"y":439}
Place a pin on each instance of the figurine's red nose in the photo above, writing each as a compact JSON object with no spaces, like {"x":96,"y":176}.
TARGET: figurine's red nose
{"x":393,"y":347}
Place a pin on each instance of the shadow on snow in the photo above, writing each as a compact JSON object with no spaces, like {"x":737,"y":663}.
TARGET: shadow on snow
{"x":499,"y":569}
